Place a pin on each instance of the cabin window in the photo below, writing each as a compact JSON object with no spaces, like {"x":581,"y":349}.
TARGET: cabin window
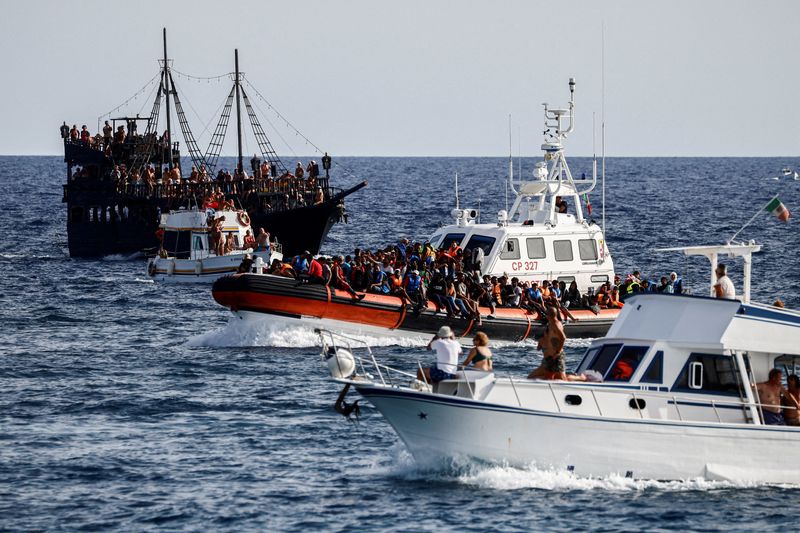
{"x":588,"y":357}
{"x":599,"y":278}
{"x":178,"y":242}
{"x":563,"y":250}
{"x":587,"y":249}
{"x":480,"y":241}
{"x":654,"y":372}
{"x":708,"y":373}
{"x":604,"y":358}
{"x":627,"y":363}
{"x":566,"y":279}
{"x":235,"y":238}
{"x":450,"y":238}
{"x":535,"y":248}
{"x":198,"y":243}
{"x":510,"y":249}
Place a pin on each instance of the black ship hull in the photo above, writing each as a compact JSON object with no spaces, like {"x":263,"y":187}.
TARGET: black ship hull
{"x":129,"y":227}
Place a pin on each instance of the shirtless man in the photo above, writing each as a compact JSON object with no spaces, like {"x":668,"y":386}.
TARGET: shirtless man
{"x":552,"y":345}
{"x":770,"y":393}
{"x":262,"y":240}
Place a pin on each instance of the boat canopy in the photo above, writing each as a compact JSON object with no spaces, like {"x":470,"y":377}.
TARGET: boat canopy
{"x":708,"y":323}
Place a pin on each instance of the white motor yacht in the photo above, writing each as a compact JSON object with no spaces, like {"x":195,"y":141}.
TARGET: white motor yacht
{"x":675,"y":397}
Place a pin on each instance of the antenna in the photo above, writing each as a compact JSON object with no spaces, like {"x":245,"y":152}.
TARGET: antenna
{"x":456,"y":190}
{"x":603,"y":122}
{"x":519,"y":153}
{"x":510,"y":150}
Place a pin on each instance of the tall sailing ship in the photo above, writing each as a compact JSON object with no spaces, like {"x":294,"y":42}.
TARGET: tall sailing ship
{"x":111,"y":209}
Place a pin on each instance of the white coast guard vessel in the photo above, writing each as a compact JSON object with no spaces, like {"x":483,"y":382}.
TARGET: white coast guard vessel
{"x":534,"y":241}
{"x":187,"y":254}
{"x":676,"y":400}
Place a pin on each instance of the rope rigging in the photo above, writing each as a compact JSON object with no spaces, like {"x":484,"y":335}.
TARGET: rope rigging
{"x":210,"y":158}
{"x":267,"y":151}
{"x":218,"y":137}
{"x":191,"y":144}
{"x":126,"y":102}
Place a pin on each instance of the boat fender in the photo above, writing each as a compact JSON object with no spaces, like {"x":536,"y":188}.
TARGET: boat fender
{"x":151,"y":268}
{"x":244,"y":218}
{"x":171,"y":268}
{"x":341,"y":363}
{"x":198,"y":267}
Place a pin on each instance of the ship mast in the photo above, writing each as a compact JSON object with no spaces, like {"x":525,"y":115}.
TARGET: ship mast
{"x":167,"y":91}
{"x":239,"y":166}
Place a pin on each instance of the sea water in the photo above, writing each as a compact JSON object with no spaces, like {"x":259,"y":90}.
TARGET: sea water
{"x":126,"y":404}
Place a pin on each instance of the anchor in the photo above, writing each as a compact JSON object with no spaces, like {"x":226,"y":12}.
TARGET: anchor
{"x":347,"y":409}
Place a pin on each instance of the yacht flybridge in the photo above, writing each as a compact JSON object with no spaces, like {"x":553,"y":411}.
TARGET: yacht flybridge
{"x":535,"y":241}
{"x":673,"y":396}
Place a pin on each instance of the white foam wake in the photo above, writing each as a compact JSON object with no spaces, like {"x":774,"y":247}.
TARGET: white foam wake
{"x":122,"y":257}
{"x":503,"y":477}
{"x":278,"y":332}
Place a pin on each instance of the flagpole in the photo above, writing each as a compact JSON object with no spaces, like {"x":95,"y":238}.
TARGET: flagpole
{"x":752,"y":219}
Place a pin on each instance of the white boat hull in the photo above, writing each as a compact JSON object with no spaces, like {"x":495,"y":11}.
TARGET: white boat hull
{"x":435,"y":426}
{"x":206,"y":270}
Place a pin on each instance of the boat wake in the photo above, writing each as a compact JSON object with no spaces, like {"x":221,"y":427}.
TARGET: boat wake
{"x":122,"y":257}
{"x":286,"y":333}
{"x":476,"y":474}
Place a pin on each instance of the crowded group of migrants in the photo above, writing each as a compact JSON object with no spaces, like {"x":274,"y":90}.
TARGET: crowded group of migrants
{"x":303,"y":185}
{"x":452,"y":280}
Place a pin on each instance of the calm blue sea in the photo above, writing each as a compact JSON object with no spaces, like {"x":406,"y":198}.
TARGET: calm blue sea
{"x":126,"y":405}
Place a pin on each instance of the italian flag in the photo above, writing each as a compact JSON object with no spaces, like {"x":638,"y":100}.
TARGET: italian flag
{"x":588,"y":203}
{"x":776,"y":207}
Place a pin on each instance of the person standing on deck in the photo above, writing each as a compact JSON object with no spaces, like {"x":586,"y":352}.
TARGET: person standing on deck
{"x":552,"y":345}
{"x":724,"y":288}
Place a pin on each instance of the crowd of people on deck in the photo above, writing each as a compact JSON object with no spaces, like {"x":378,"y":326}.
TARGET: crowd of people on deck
{"x":300,"y":186}
{"x":451,"y":280}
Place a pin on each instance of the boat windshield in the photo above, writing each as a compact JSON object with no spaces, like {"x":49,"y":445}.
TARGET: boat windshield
{"x":480,"y":241}
{"x":449,"y":239}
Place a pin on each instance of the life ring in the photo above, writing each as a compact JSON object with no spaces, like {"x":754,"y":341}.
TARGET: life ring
{"x":151,"y":268}
{"x":244,"y":218}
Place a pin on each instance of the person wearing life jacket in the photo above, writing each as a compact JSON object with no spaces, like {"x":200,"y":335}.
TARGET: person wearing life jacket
{"x":379,"y":281}
{"x":412,"y":285}
{"x":300,"y":264}
{"x":497,"y":292}
{"x":339,"y":281}
{"x":85,"y":135}
{"x":283,"y":270}
{"x":612,"y":299}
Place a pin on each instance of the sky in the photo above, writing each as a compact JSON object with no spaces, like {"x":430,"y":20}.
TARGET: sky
{"x":420,"y":78}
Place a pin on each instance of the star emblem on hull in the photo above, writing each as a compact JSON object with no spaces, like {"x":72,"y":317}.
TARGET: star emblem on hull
{"x":422,"y":415}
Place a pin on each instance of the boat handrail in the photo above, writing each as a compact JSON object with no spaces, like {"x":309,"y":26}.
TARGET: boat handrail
{"x":769,"y":307}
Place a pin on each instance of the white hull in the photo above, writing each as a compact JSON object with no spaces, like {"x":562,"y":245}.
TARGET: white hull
{"x":205,"y":270}
{"x":434,"y":426}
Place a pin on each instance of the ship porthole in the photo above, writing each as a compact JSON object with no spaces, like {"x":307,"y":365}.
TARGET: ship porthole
{"x":573,"y":399}
{"x":637,"y":403}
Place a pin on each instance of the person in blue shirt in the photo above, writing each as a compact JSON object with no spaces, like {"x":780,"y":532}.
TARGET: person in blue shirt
{"x":379,"y":281}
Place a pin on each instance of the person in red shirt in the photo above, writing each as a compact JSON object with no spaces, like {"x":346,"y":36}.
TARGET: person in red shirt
{"x":339,"y":281}
{"x":314,"y":271}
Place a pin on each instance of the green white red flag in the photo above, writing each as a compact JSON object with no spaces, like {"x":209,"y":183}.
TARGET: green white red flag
{"x":776,"y":207}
